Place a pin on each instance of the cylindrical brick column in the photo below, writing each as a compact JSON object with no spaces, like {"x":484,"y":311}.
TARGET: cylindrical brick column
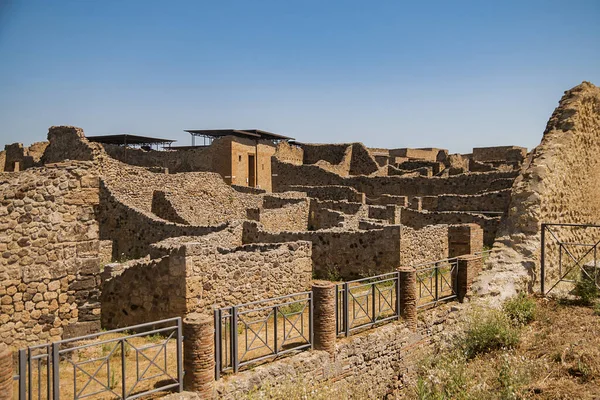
{"x":199,"y":355}
{"x":408,"y":296}
{"x":6,"y":373}
{"x":467,"y":268}
{"x":324,"y":331}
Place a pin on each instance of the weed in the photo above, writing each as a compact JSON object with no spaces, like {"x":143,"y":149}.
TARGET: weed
{"x":597,"y":309}
{"x":586,"y":290}
{"x":521,"y":309}
{"x":293,"y":308}
{"x":113,"y":380}
{"x":488,"y":332}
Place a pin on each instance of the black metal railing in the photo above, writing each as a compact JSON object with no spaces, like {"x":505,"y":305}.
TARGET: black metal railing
{"x":436,"y":281}
{"x":365,"y":302}
{"x":117,"y":363}
{"x":569,"y":252}
{"x":252,"y":332}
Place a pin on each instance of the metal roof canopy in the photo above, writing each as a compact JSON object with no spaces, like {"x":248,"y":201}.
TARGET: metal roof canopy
{"x":251,"y":133}
{"x":126,"y":139}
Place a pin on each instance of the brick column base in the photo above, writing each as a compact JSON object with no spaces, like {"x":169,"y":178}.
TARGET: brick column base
{"x":408,"y":296}
{"x":324,"y":331}
{"x":467,"y":269}
{"x":6,"y":373}
{"x":199,"y":355}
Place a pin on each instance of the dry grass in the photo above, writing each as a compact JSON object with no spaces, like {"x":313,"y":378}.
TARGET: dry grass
{"x":108,"y":369}
{"x":557,"y":357}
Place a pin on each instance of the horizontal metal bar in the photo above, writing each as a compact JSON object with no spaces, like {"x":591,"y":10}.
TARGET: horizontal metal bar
{"x":254,"y":360}
{"x":271,"y":307}
{"x":579,"y":244}
{"x":160,"y":389}
{"x":437,"y":301}
{"x":448,"y":260}
{"x":83,"y":346}
{"x":369,"y":278}
{"x":374,"y":283}
{"x":391,"y":317}
{"x":273,"y":299}
{"x":119,"y":330}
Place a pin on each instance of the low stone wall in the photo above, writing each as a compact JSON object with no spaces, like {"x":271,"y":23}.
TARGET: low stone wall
{"x":374,"y":186}
{"x":195,"y":274}
{"x":490,"y":201}
{"x":133,"y":231}
{"x":419,"y":219}
{"x":435,"y":166}
{"x":500,"y":153}
{"x":290,"y":153}
{"x":385,"y":199}
{"x":335,"y":253}
{"x":336,"y":193}
{"x":291,"y":217}
{"x":428,"y":243}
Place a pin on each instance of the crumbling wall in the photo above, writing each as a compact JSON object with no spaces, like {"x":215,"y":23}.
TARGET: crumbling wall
{"x":195,"y":274}
{"x":559,"y":183}
{"x":51,"y":253}
{"x":19,"y":158}
{"x":69,"y":143}
{"x":199,"y":198}
{"x":337,"y":253}
{"x":338,"y":193}
{"x":2,"y":160}
{"x":291,"y":217}
{"x":500,"y":153}
{"x":362,"y":163}
{"x":418,"y":246}
{"x":290,"y":153}
{"x":496,"y":201}
{"x":419,"y":219}
{"x":373,"y":186}
{"x":334,"y":154}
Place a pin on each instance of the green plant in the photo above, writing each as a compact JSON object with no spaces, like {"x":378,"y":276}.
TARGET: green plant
{"x":113,"y":380}
{"x":292,"y":308}
{"x":597,"y":309}
{"x":586,"y":290}
{"x":488,"y":332}
{"x":521,"y":309}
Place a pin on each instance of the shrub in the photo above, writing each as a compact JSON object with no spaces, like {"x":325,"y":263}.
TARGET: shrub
{"x":586,"y":290}
{"x":488,"y":332}
{"x":520,"y":309}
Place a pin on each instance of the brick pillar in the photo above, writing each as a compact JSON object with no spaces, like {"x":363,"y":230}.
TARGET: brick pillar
{"x":324,"y":332}
{"x":408,"y":296}
{"x":464,"y":239}
{"x":467,"y":269}
{"x":6,"y":373}
{"x":199,"y":355}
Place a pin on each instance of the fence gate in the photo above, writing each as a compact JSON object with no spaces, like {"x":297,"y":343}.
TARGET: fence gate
{"x":569,"y":253}
{"x":116,"y":364}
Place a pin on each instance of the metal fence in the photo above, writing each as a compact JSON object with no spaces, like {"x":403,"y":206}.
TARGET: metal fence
{"x":569,"y":253}
{"x":366,"y":302}
{"x":111,"y":364}
{"x":252,"y":332}
{"x":436,"y":281}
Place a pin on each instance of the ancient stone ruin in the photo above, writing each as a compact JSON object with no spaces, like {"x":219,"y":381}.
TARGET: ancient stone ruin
{"x":99,"y":236}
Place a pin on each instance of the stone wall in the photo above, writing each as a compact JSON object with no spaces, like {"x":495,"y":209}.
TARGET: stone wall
{"x":199,"y":198}
{"x":362,"y":163}
{"x":2,"y":160}
{"x":334,"y":154}
{"x":558,"y":183}
{"x":418,"y":219}
{"x":373,"y":186}
{"x":51,"y":253}
{"x":418,"y":246}
{"x":339,"y":253}
{"x":291,"y":217}
{"x":132,"y":230}
{"x":196,"y":273}
{"x":496,"y":201}
{"x":500,"y":153}
{"x":337,"y":193}
{"x":19,"y":158}
{"x":290,"y":153}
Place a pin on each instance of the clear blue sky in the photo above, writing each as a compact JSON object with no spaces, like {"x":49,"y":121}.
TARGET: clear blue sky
{"x":451,"y":74}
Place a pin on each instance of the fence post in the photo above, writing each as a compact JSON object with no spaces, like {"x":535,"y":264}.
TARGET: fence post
{"x":199,"y":355}
{"x":467,"y":268}
{"x":325,"y":332}
{"x":408,"y":296}
{"x":543,"y":261}
{"x":6,"y":372}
